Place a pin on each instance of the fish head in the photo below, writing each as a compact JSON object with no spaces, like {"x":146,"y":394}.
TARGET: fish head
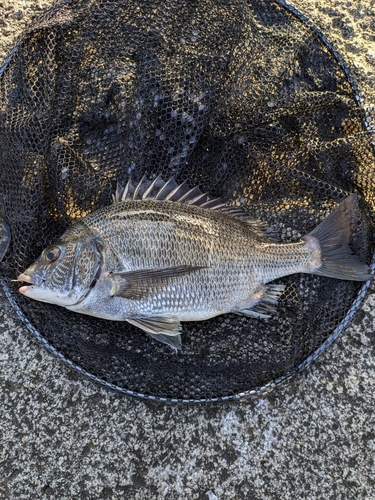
{"x":65,"y":271}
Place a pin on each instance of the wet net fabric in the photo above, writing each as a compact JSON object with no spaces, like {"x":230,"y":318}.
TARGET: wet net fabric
{"x":240,"y":97}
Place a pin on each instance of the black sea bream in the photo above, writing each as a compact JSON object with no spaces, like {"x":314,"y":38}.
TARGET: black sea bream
{"x":162,"y":254}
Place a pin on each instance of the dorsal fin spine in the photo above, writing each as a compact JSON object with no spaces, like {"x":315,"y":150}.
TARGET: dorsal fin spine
{"x":124,"y":195}
{"x":214,"y":204}
{"x":175,"y":191}
{"x":197,"y":199}
{"x":160,"y":190}
{"x":185,"y":197}
{"x":164,"y":189}
{"x":138,"y":187}
{"x":151,"y":187}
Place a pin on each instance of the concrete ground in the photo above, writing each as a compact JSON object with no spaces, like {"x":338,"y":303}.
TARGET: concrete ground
{"x":63,"y":437}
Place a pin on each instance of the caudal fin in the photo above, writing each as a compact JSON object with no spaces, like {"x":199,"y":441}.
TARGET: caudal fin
{"x":333,"y":235}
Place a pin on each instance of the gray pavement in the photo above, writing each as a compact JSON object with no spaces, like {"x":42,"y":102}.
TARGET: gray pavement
{"x":63,"y":437}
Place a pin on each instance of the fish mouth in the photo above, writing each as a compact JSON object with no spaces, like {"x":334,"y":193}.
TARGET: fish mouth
{"x":34,"y":289}
{"x":25,"y":279}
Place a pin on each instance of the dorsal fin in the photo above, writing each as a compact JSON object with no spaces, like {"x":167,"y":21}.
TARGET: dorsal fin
{"x":158,"y":180}
{"x":169,"y":190}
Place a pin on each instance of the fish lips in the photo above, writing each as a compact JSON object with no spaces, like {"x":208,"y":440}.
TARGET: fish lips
{"x":26,"y":279}
{"x":28,"y":290}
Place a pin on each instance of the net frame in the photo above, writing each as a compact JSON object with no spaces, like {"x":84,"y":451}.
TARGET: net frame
{"x":254,"y":391}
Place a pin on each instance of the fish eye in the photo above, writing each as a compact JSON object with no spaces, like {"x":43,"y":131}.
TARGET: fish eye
{"x":52,"y":254}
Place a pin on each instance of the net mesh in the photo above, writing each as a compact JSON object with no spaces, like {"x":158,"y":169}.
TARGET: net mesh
{"x":240,"y":97}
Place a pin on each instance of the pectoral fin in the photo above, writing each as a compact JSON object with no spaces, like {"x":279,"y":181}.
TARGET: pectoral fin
{"x":164,"y":329}
{"x":137,"y":285}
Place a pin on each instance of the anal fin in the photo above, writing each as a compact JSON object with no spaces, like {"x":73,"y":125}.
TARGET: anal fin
{"x":165,"y":329}
{"x":264,"y":302}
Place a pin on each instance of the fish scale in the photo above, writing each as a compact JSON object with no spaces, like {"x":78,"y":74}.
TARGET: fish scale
{"x":183,"y":235}
{"x":158,"y":256}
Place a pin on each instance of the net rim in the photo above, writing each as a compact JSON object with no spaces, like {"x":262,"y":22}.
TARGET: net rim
{"x":257,"y":391}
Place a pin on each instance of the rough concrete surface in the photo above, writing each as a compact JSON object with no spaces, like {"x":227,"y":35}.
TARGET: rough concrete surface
{"x":64,"y":437}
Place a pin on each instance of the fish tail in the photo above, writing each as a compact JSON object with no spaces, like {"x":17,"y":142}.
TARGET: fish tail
{"x":333,"y":235}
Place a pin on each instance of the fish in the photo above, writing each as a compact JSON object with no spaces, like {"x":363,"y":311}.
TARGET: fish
{"x":163,"y":253}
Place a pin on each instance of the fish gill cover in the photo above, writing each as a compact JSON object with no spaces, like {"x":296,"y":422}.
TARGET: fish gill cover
{"x":240,"y":97}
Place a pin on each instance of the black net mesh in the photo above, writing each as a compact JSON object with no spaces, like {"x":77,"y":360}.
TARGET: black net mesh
{"x":240,"y":97}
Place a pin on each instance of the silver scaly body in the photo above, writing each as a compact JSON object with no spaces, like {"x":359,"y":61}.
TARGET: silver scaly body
{"x":177,"y":255}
